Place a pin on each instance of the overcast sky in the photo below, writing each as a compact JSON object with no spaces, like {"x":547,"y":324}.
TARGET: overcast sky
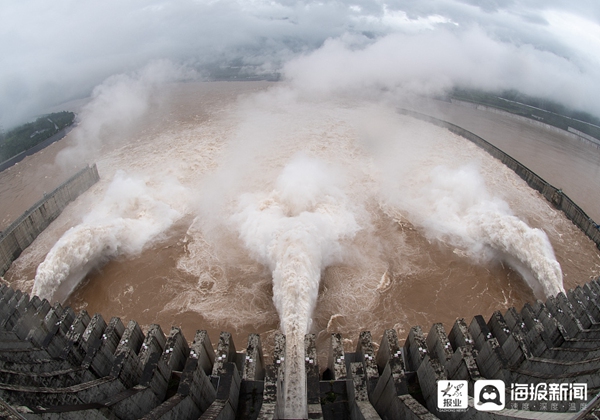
{"x":54,"y":51}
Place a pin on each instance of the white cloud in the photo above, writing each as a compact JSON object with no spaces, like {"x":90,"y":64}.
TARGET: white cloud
{"x":430,"y":62}
{"x":578,"y":33}
{"x":53,"y":52}
{"x":399,"y":20}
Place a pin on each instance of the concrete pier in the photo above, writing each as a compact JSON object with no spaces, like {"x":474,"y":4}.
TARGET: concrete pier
{"x":55,"y":364}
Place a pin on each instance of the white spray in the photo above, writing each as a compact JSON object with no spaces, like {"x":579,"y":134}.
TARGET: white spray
{"x":123,"y":223}
{"x":297,"y":230}
{"x":117,"y":105}
{"x":455,"y":207}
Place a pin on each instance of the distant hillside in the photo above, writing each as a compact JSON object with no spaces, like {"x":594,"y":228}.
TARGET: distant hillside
{"x":29,"y":135}
{"x":538,"y":109}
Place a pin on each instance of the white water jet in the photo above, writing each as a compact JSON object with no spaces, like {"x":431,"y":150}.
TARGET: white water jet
{"x":297,"y":230}
{"x":526,"y":249}
{"x":454,"y":207}
{"x":123,"y":223}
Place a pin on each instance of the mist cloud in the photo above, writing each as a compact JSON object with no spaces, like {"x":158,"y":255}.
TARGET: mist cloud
{"x":54,"y":52}
{"x":434,"y":61}
{"x":116,"y":105}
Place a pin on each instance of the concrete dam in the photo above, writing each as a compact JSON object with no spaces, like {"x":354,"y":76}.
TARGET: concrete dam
{"x":55,"y":364}
{"x":58,"y":364}
{"x":23,"y":231}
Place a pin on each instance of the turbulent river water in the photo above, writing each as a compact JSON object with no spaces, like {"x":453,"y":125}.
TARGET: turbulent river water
{"x":244,"y":207}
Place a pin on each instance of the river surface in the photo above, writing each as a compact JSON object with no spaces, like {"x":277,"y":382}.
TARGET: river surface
{"x":207,"y":145}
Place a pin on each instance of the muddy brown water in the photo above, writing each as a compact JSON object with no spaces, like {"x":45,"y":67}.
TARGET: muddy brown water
{"x":393,"y":275}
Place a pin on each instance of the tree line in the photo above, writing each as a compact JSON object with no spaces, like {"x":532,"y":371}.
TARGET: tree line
{"x":28,"y":135}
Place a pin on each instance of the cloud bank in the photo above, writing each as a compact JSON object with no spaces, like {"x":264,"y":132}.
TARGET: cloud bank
{"x":54,"y":52}
{"x":432,"y":62}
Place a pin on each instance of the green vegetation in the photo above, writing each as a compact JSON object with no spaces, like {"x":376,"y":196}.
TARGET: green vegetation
{"x":329,"y":398}
{"x":29,"y":135}
{"x":538,"y":109}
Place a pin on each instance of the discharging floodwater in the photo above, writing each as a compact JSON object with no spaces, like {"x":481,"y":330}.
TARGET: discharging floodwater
{"x":199,"y":173}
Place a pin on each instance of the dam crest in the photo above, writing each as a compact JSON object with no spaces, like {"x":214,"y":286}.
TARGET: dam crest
{"x":56,"y":364}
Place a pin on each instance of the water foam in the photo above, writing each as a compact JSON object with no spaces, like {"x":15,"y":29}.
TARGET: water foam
{"x":296,"y":230}
{"x":454,"y":206}
{"x":291,"y":227}
{"x":127,"y":219}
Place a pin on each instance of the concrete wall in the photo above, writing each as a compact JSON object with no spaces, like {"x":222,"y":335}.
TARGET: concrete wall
{"x":573,"y":133}
{"x":554,"y":195}
{"x":22,"y":232}
{"x":594,"y":140}
{"x":56,"y":364}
